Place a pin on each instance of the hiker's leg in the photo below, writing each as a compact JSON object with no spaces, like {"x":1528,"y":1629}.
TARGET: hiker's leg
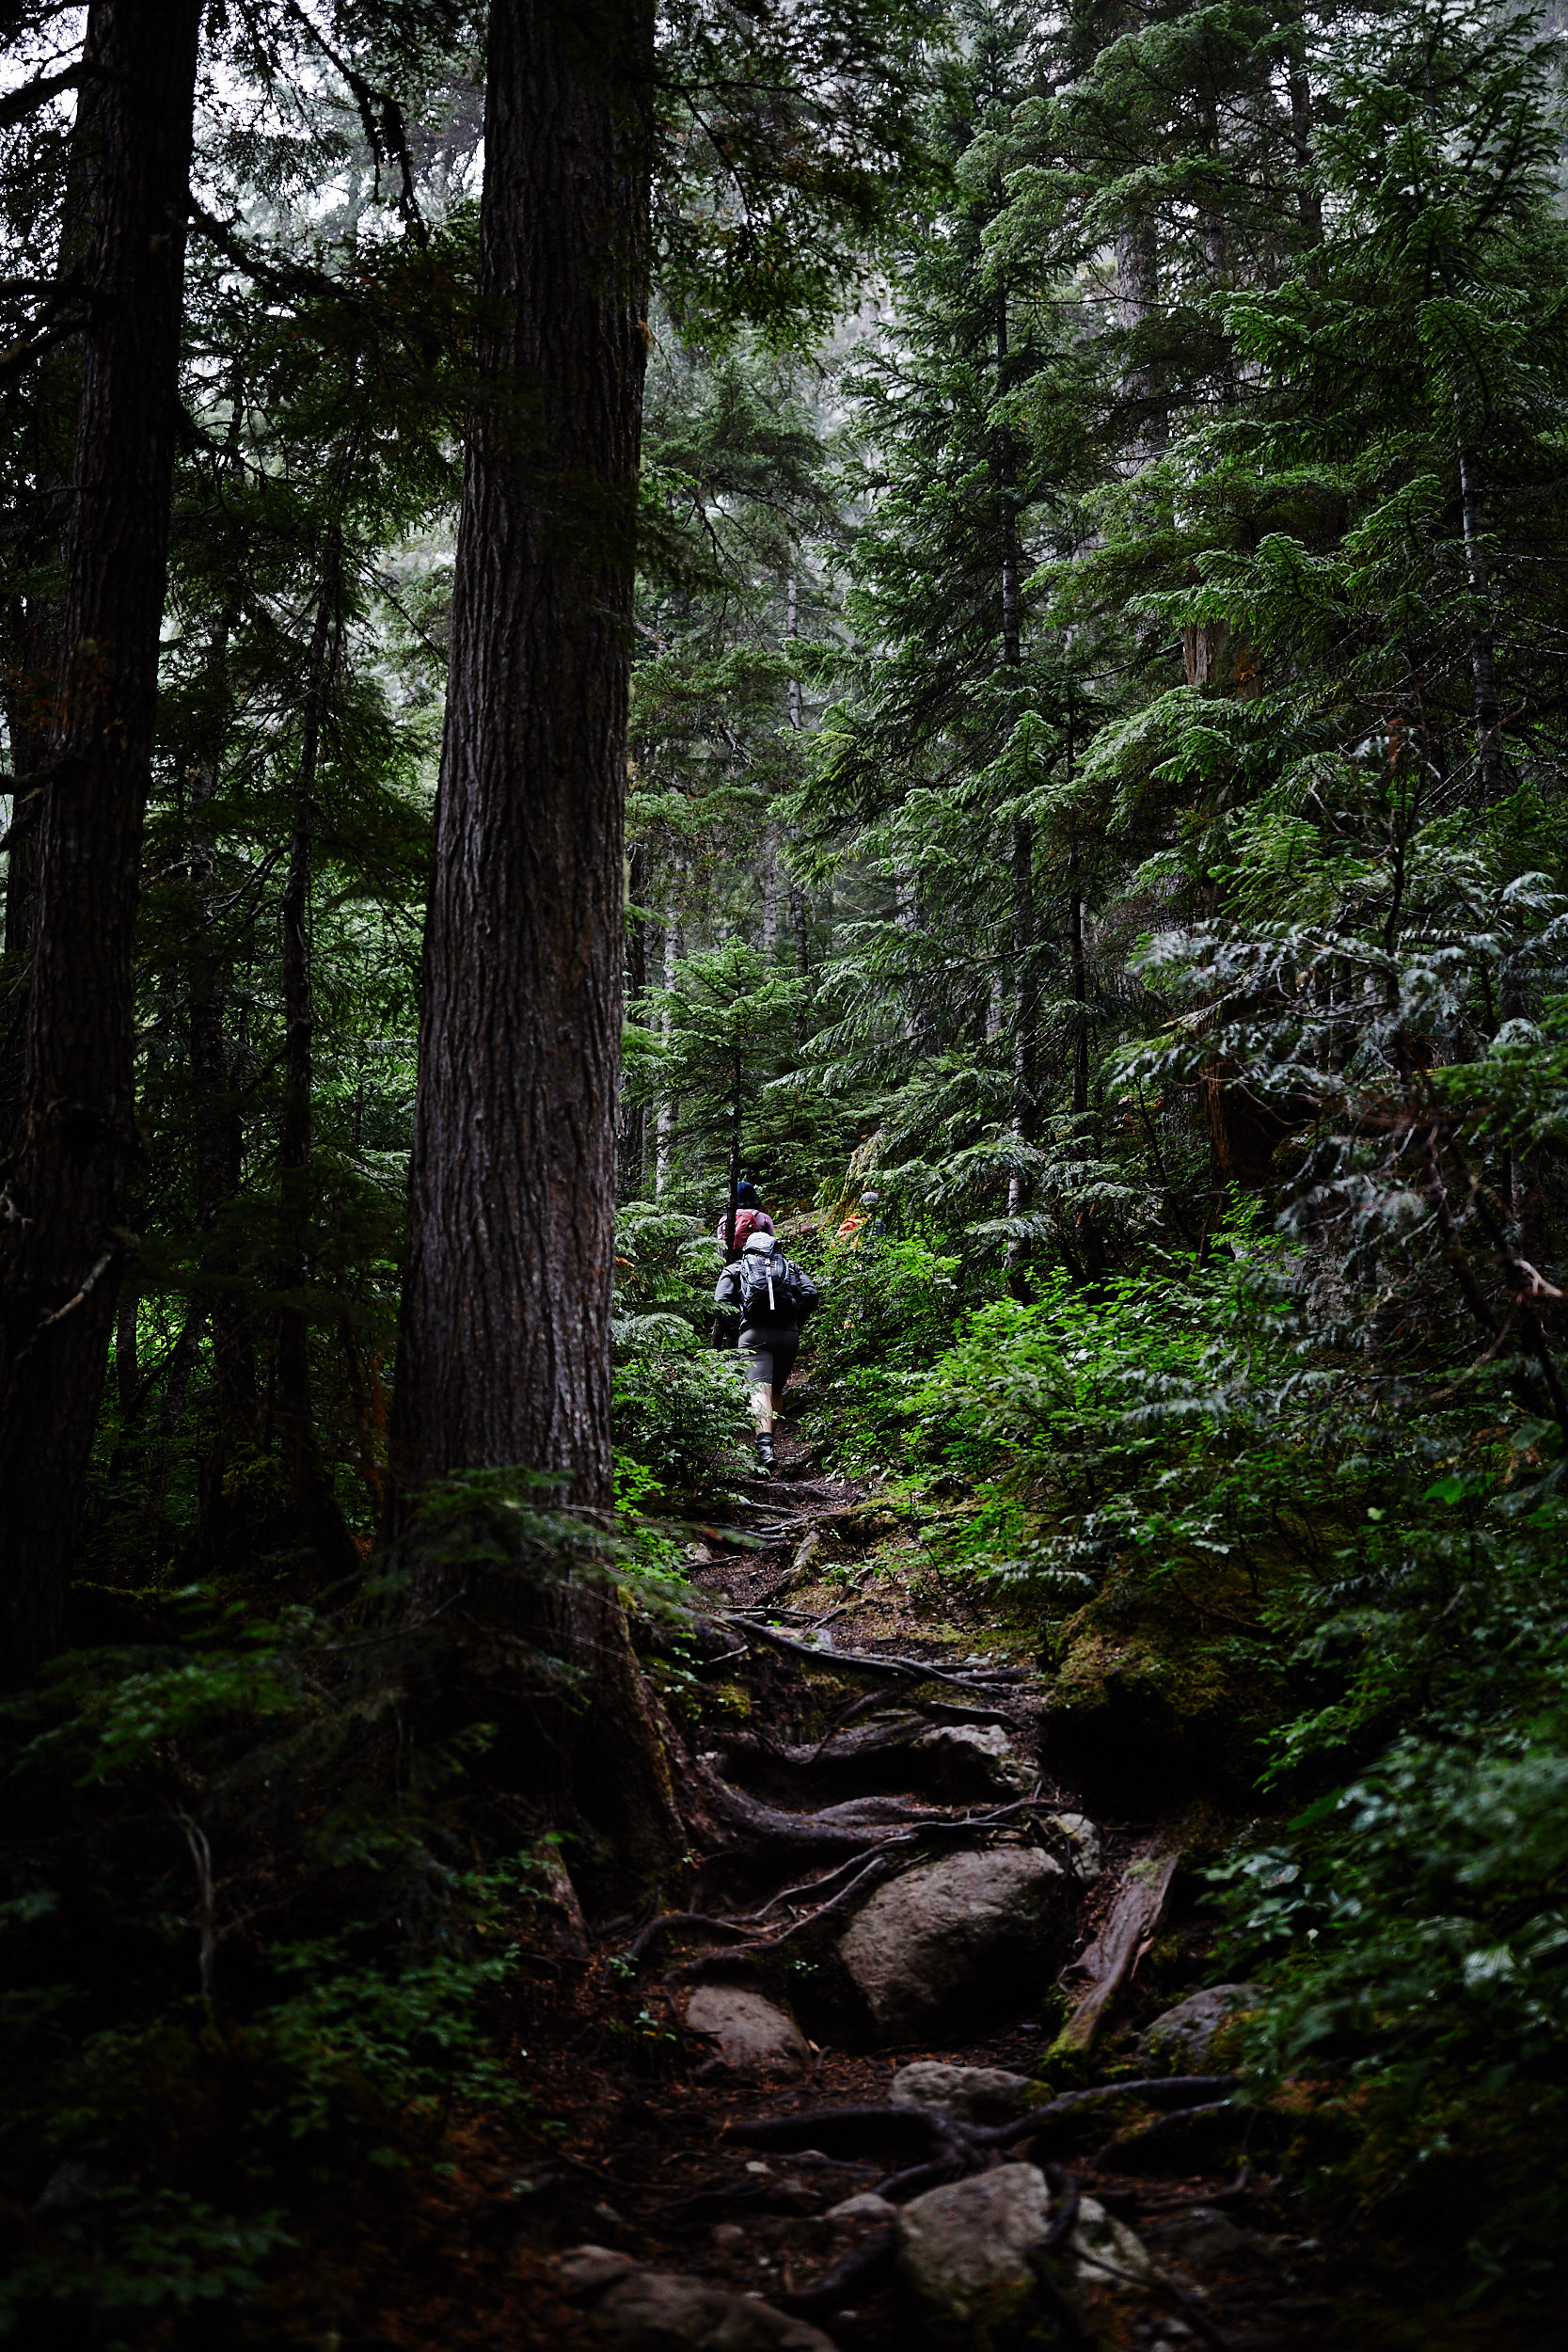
{"x":784,"y":1351}
{"x":760,"y":1373}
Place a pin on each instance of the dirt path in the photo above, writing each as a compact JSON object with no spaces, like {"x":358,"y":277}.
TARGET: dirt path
{"x":818,"y":1680}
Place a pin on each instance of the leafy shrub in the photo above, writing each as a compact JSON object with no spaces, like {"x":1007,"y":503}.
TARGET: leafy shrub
{"x":677,"y":1406}
{"x":260,"y":1890}
{"x":888,"y":1311}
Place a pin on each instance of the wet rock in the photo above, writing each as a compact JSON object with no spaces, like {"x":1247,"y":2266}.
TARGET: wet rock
{"x":1084,"y":1837}
{"x":961,"y":1760}
{"x":964,"y":1939}
{"x":661,"y":2311}
{"x":753,"y":2036}
{"x":966,"y":2255}
{"x":865,"y":2206}
{"x":1204,"y":2240}
{"x":971,"y":2095}
{"x":1106,"y":2253}
{"x":1183,"y":2036}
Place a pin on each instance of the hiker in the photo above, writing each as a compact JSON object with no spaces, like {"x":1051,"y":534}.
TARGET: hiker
{"x":750,"y":1217}
{"x":769,"y":1296}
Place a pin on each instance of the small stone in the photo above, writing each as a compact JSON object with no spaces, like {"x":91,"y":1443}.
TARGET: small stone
{"x":965,"y":2254}
{"x":960,"y":1939}
{"x":589,"y":2270}
{"x":1084,"y":1837}
{"x":971,"y":2095}
{"x":1181,"y":2038}
{"x":753,"y":2035}
{"x":1107,"y":2251}
{"x":865,"y":2206}
{"x":726,"y":2237}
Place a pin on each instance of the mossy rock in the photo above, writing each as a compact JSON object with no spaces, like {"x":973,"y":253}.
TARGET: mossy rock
{"x":1130,"y":1701}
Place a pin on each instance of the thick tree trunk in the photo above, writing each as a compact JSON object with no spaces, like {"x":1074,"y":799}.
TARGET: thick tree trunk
{"x":62,"y":1240}
{"x":504,"y":1338}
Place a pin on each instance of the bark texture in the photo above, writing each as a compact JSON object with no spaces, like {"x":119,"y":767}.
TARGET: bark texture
{"x":505,"y":1339}
{"x":62,"y":1237}
{"x":504,"y":1350}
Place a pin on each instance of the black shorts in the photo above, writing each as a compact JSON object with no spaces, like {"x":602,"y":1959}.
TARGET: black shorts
{"x":769,"y":1357}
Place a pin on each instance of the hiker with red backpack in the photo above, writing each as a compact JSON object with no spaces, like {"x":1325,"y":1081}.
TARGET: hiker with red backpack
{"x":763,"y":1299}
{"x":750,"y":1217}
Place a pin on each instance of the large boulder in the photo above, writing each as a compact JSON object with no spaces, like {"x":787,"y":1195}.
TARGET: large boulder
{"x":662,"y":2311}
{"x":971,"y":2095}
{"x":966,"y":2255}
{"x":752,"y":2036}
{"x":1183,"y":2038}
{"x":960,"y":1940}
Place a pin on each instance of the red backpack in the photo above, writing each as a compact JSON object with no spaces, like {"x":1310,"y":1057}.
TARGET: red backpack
{"x":745,"y":1225}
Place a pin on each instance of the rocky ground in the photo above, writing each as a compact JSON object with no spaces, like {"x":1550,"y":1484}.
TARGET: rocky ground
{"x":811,"y":2110}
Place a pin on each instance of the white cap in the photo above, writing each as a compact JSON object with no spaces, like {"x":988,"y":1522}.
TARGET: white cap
{"x":760,"y":1242}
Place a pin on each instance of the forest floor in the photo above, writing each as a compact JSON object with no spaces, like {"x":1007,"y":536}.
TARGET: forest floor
{"x":631,"y":2135}
{"x":631,"y":2127}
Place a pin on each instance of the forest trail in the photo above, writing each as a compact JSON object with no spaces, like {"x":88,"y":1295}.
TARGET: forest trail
{"x":711,"y":2145}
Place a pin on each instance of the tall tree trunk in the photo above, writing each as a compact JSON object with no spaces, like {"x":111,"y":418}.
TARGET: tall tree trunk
{"x":504,"y":1336}
{"x":32,"y":635}
{"x":1310,"y":204}
{"x":62,"y":1239}
{"x":1023,"y":844}
{"x":321,"y":1521}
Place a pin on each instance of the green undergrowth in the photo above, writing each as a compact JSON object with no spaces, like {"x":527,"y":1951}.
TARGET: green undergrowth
{"x":1315,"y":1581}
{"x":265,"y":1881}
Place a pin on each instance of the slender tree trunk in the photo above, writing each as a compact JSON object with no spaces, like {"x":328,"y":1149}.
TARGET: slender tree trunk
{"x":316,"y":1508}
{"x":769,"y":889}
{"x":505,"y":1337}
{"x":62,"y":1235}
{"x":1080,"y":990}
{"x":674,"y":947}
{"x":218,"y":1130}
{"x":176,"y":1381}
{"x":1022,"y":842}
{"x":1308,"y":202}
{"x":735,"y":1162}
{"x":634,"y":1115}
{"x":1484,"y":667}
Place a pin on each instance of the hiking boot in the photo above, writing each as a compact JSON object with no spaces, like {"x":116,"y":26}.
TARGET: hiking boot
{"x":765,"y":1451}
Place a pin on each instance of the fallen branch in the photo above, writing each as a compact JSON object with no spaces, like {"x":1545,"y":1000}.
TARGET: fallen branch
{"x":1127,"y":1934}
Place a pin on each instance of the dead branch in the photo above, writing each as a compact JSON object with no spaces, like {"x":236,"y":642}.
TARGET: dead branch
{"x":1111,"y":1959}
